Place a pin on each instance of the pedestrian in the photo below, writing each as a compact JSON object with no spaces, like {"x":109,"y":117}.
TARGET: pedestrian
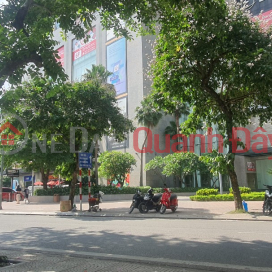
{"x":26,"y":191}
{"x":18,"y":194}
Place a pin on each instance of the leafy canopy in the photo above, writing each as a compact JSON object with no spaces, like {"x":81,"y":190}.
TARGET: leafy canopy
{"x":177,"y":164}
{"x":115,"y":165}
{"x":220,"y":66}
{"x":27,"y":30}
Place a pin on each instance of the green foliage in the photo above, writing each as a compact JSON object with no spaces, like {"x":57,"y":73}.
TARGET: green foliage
{"x":52,"y":110}
{"x":147,"y":114}
{"x":216,"y":162}
{"x":206,"y":192}
{"x":243,"y":190}
{"x":229,"y":197}
{"x":225,"y":80}
{"x":115,"y":165}
{"x":156,"y":163}
{"x":27,"y":30}
{"x":98,"y":72}
{"x":6,"y":182}
{"x":177,"y":164}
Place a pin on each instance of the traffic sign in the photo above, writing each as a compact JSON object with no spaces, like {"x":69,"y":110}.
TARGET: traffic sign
{"x":85,"y":160}
{"x":12,"y":172}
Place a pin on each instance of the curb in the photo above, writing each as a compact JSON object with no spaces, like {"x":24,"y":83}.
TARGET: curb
{"x":136,"y":216}
{"x":217,"y":267}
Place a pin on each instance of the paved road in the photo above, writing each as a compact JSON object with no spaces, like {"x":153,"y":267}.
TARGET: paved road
{"x":199,"y":242}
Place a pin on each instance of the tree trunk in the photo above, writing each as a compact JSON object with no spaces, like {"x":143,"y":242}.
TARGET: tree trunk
{"x":45,"y":177}
{"x":196,"y":183}
{"x":74,"y":182}
{"x":231,"y":171}
{"x":177,"y":116}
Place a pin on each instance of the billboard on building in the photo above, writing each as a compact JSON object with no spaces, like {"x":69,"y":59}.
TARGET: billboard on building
{"x":117,"y":64}
{"x":256,"y":6}
{"x":83,"y":55}
{"x":61,"y":55}
{"x":111,"y":142}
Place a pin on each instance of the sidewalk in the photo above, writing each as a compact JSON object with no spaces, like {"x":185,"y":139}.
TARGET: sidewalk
{"x":219,"y":210}
{"x":39,"y":262}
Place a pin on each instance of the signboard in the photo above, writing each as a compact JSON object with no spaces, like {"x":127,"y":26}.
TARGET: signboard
{"x":82,"y":48}
{"x":12,"y":172}
{"x":85,"y":160}
{"x":266,"y":19}
{"x":256,"y":6}
{"x":61,"y":55}
{"x":113,"y":144}
{"x":83,"y":55}
{"x":251,"y":166}
{"x":116,"y":63}
{"x":28,"y":178}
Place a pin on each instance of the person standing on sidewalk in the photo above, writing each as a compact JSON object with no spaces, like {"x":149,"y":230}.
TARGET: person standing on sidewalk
{"x":26,"y":191}
{"x":18,"y":195}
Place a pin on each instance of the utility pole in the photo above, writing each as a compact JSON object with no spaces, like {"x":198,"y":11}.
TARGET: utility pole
{"x":96,"y":164}
{"x":32,"y":188}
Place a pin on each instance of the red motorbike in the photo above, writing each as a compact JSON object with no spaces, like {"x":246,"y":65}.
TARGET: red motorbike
{"x":168,"y":201}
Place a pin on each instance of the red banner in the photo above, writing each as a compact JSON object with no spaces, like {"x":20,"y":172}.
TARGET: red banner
{"x":61,"y":55}
{"x":266,"y":18}
{"x":80,"y":48}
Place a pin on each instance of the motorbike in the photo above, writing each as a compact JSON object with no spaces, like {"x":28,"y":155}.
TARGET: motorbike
{"x":168,"y":201}
{"x":95,"y":201}
{"x":136,"y":200}
{"x":150,"y":202}
{"x":267,"y":204}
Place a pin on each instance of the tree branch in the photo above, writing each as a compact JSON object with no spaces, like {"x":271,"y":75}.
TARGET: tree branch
{"x":13,"y":65}
{"x":18,"y":23}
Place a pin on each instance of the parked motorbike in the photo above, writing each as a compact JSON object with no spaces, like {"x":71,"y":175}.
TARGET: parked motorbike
{"x":267,"y":204}
{"x":150,"y":202}
{"x":136,"y":200}
{"x":168,"y":201}
{"x":95,"y":201}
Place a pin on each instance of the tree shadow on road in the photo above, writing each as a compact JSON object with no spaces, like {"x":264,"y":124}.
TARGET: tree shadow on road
{"x":151,"y":238}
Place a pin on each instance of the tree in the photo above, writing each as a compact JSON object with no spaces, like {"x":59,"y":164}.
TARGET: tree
{"x":171,"y":129}
{"x":148,"y":116}
{"x":37,"y":160}
{"x":221,"y":67}
{"x":115,"y":165}
{"x":178,"y":165}
{"x":65,"y":112}
{"x":174,"y":106}
{"x":98,"y":73}
{"x":27,"y":27}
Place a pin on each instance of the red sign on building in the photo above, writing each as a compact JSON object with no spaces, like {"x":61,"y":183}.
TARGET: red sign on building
{"x":82,"y":48}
